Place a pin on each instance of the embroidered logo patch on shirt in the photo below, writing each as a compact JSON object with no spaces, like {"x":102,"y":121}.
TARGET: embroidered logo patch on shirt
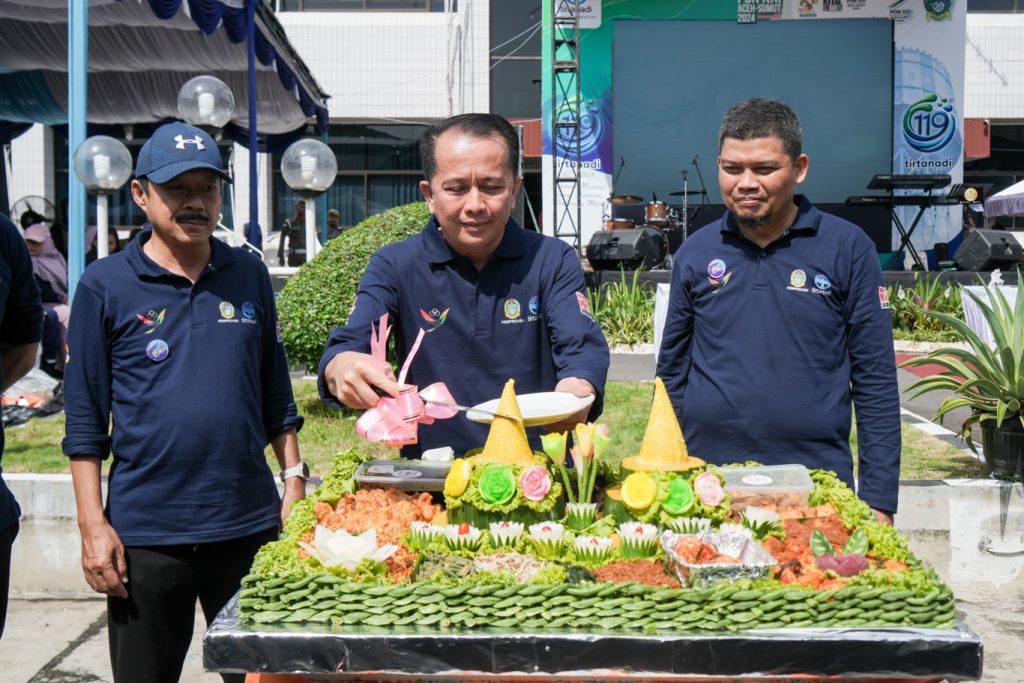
{"x":883,"y":297}
{"x":534,"y":305}
{"x":822,"y":282}
{"x":152,"y":320}
{"x":435,"y":318}
{"x":798,"y":278}
{"x":248,"y":310}
{"x":584,"y":305}
{"x":512,"y":309}
{"x":227,"y":311}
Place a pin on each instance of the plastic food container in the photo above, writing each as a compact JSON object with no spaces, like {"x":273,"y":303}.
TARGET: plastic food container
{"x":782,"y":486}
{"x":407,"y":475}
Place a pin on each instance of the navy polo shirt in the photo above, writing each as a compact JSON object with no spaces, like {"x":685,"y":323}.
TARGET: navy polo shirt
{"x":21,"y":322}
{"x":195,"y":379}
{"x":765,"y":349}
{"x":524,"y":316}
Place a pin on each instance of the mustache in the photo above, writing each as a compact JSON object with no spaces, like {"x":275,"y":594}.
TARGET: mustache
{"x":188,"y":217}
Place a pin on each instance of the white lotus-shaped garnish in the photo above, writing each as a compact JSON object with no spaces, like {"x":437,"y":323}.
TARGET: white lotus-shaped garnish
{"x":634,"y":531}
{"x":506,"y":532}
{"x":594,"y":544}
{"x":467,"y":534}
{"x":425,"y":528}
{"x":690,"y":525}
{"x":547,"y":531}
{"x":758,"y":516}
{"x":731,"y":528}
{"x":342,"y":549}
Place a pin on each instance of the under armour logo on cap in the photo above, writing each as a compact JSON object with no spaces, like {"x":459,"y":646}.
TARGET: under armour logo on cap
{"x":176,"y":148}
{"x":182,"y":141}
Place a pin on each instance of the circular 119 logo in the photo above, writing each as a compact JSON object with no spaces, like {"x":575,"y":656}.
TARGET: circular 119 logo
{"x":929,"y":123}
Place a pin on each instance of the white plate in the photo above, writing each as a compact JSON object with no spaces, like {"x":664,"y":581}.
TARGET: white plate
{"x":537,"y":409}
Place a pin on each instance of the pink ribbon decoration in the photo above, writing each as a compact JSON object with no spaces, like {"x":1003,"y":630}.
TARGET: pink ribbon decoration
{"x":394,"y":420}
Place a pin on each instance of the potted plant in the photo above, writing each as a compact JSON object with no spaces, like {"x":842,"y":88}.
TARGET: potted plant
{"x":989,"y":380}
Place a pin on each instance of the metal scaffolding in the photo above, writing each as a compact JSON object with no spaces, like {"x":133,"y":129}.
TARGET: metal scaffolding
{"x":566,"y":110}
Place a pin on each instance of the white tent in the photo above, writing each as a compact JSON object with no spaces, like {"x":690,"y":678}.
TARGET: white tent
{"x":1008,"y":202}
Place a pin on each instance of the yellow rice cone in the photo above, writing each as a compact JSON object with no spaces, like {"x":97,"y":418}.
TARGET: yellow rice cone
{"x":663,"y":447}
{"x":506,"y":441}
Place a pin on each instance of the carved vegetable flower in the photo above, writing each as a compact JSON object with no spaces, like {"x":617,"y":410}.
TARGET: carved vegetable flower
{"x":342,"y":549}
{"x":535,"y":482}
{"x":497,"y":484}
{"x":708,"y":488}
{"x":505,"y":533}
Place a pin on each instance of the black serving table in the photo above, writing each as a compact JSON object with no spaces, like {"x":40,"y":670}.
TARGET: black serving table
{"x":394,"y":653}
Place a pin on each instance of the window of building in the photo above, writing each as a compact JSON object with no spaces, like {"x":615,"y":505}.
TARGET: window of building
{"x":515,"y":58}
{"x":379,"y":168}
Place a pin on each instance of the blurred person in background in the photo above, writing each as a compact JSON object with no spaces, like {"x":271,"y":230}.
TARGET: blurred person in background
{"x":21,"y":316}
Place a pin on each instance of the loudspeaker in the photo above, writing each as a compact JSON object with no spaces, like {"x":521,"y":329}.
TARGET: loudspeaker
{"x":642,"y":247}
{"x":988,"y":250}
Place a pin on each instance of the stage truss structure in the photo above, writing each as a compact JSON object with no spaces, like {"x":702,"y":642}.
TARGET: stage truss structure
{"x":566,"y":112}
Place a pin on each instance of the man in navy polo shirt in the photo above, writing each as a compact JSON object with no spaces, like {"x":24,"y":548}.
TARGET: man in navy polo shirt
{"x":21,"y":327}
{"x":496,"y":300}
{"x":175,"y":338}
{"x":778,"y":320}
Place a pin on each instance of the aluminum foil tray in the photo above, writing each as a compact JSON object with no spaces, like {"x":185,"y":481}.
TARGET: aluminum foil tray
{"x":755,"y":561}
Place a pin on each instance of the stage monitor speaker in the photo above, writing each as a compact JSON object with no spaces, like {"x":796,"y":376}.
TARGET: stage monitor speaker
{"x":988,"y":250}
{"x":642,"y":247}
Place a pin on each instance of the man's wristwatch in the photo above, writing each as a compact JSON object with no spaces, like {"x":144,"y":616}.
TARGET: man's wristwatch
{"x":301,"y":471}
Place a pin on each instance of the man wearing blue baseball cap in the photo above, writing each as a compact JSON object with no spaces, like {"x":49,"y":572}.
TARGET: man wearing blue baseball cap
{"x":175,"y":339}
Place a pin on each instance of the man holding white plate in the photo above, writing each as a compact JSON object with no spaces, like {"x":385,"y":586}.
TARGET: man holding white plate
{"x":496,"y":300}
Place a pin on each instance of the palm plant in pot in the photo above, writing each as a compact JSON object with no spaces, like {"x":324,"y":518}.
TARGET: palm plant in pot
{"x":989,"y":380}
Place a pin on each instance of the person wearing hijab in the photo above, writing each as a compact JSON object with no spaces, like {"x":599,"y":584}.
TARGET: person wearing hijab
{"x":51,"y":274}
{"x":113,"y":244}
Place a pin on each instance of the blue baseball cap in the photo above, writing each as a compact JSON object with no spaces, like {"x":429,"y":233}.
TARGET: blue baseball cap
{"x":176,"y":148}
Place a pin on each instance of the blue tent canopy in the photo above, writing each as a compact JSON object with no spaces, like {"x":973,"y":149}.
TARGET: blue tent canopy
{"x":140,"y":53}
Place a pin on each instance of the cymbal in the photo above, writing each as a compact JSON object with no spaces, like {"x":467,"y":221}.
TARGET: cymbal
{"x":621,"y":199}
{"x":680,"y":193}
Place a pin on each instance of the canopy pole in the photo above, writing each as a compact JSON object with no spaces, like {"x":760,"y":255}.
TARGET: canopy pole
{"x":325,"y":137}
{"x":254,"y":200}
{"x":78,"y":67}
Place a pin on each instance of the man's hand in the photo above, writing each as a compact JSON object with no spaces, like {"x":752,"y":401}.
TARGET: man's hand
{"x":581,"y":388}
{"x":883,"y":516}
{"x":352,"y":376}
{"x":294,"y":489}
{"x":103,"y":560}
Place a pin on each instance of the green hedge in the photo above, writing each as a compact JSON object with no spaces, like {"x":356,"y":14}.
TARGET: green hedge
{"x":319,"y":297}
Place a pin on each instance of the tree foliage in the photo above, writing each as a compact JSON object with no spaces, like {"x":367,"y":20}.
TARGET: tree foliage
{"x":320,"y":296}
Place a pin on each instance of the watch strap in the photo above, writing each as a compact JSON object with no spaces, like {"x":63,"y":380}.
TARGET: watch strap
{"x":300,"y":470}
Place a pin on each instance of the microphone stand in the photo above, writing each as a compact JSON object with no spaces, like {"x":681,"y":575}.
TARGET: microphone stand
{"x":686,"y":205}
{"x":703,"y":188}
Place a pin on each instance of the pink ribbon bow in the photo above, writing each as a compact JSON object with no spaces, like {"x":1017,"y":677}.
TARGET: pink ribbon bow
{"x":394,"y":420}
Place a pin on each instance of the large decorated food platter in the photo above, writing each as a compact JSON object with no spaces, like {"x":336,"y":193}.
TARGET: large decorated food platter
{"x":525,"y":564}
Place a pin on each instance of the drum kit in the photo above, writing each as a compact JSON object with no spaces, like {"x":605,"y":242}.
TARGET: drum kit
{"x":664,"y":224}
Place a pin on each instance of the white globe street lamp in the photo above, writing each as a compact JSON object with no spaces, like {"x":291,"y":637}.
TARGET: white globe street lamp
{"x":206,"y":102}
{"x":309,"y":167}
{"x":103,"y":164}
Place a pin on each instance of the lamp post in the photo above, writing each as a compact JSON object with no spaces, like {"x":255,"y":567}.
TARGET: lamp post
{"x":208,"y":103}
{"x":103,"y":165}
{"x":309,"y":167}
